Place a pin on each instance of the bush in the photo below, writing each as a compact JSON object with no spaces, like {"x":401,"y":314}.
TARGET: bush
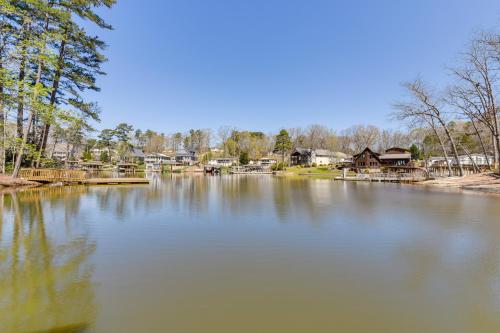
{"x":104,"y":157}
{"x":314,"y":165}
{"x":278,"y":166}
{"x":244,"y":159}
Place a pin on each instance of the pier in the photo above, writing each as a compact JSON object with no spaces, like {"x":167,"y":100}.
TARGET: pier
{"x":385,"y":177}
{"x":48,"y":176}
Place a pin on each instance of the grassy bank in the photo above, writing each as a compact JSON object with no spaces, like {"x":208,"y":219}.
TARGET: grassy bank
{"x":320,"y":171}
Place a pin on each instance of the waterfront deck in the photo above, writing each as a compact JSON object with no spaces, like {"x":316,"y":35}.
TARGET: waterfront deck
{"x":53,"y":175}
{"x":384,"y":177}
{"x":74,"y":177}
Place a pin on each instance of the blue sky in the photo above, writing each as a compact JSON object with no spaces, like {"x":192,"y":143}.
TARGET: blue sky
{"x":267,"y":64}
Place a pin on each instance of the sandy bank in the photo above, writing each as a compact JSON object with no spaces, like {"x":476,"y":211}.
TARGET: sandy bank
{"x":484,"y":182}
{"x":8,"y":181}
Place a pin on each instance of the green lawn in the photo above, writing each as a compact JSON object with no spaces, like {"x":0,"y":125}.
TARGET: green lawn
{"x":314,"y":170}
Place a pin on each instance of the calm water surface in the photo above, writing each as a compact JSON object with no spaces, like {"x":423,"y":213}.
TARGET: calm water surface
{"x":249,"y":254}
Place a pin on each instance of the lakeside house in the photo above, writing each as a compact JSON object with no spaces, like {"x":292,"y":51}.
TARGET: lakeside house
{"x":465,"y":160}
{"x":137,"y":155}
{"x":59,"y":155}
{"x":307,"y":157}
{"x":223,"y":161}
{"x":368,"y":159}
{"x":396,"y":156}
{"x":185,"y":157}
{"x":479,"y":159}
{"x":340,"y":157}
{"x":154,"y":161}
{"x":267,"y":162}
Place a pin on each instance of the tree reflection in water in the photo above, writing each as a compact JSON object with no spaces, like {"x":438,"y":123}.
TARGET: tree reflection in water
{"x":45,"y":275}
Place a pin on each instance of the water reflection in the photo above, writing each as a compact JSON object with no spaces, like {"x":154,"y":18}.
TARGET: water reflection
{"x":349,"y":257}
{"x":45,"y":277}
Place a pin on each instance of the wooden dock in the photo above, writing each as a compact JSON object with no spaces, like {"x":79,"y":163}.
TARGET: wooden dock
{"x":53,"y":175}
{"x":74,"y":177}
{"x":384,"y":177}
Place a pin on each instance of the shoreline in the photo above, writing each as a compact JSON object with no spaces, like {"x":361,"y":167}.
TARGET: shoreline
{"x":488,"y":182}
{"x":6,"y":181}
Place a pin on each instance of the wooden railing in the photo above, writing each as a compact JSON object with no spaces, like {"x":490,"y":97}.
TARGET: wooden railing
{"x":393,"y":177}
{"x":53,"y":175}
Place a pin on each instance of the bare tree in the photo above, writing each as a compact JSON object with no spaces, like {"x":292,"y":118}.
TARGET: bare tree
{"x":363,"y":136}
{"x":478,"y":79}
{"x":317,"y":136}
{"x":416,"y":117}
{"x":430,"y":108}
{"x":463,"y":101}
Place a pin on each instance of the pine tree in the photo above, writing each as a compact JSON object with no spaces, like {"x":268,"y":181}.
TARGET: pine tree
{"x":283,"y":144}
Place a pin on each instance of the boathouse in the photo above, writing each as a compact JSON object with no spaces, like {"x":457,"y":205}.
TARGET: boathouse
{"x":91,"y":165}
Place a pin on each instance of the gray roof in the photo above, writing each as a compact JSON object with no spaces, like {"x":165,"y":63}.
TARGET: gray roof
{"x":183,"y":152}
{"x":137,"y":152}
{"x":323,"y":152}
{"x":308,"y":151}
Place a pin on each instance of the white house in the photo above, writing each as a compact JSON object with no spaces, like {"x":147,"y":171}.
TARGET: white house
{"x":479,"y":159}
{"x":439,"y":161}
{"x":340,"y":157}
{"x":223,"y":161}
{"x":154,"y":161}
{"x":59,"y":155}
{"x":305,"y":156}
{"x":267,"y":161}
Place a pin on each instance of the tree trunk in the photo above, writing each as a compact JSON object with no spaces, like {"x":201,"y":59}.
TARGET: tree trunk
{"x":53,"y":95}
{"x":496,"y":155}
{"x":19,"y":159}
{"x":20,"y":80}
{"x":453,"y":146}
{"x":2,"y":124}
{"x":496,"y":140}
{"x":470,"y":157}
{"x":481,"y":141}
{"x":445,"y":154}
{"x":20,"y":97}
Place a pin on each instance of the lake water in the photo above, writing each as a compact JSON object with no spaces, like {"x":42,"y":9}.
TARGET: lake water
{"x":249,"y":254}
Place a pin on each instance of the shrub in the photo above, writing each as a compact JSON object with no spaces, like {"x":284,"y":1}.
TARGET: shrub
{"x":314,"y":165}
{"x":278,"y":166}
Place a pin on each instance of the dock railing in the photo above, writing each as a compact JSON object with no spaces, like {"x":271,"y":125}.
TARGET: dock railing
{"x":53,"y":175}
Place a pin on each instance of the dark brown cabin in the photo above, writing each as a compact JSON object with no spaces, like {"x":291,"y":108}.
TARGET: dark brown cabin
{"x":367,"y":159}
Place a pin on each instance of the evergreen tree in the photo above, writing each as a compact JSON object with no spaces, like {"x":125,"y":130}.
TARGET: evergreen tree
{"x":283,"y":144}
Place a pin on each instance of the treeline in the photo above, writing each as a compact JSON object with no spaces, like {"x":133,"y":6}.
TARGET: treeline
{"x":47,"y":61}
{"x":461,"y":118}
{"x":232,"y":142}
